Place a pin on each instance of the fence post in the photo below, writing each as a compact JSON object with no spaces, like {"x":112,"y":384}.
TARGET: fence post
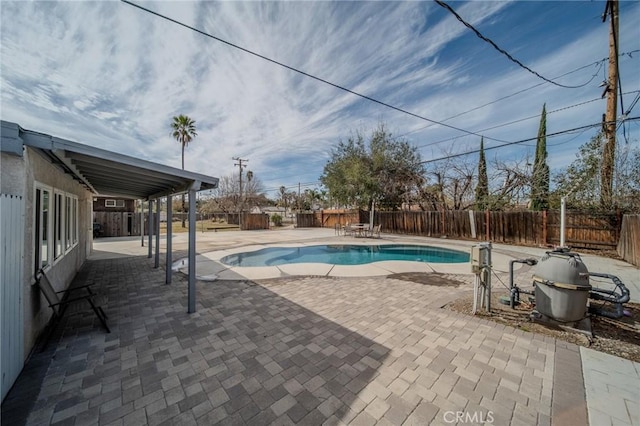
{"x":472,"y":223}
{"x":544,"y":228}
{"x":486,"y":224}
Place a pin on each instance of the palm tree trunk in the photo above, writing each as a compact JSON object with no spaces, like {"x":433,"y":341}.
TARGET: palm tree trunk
{"x":183,"y":210}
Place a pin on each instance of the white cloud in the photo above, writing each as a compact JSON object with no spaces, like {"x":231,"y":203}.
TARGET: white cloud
{"x":108,"y":74}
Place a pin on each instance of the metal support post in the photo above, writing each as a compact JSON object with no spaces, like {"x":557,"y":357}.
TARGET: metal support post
{"x":142,"y":223}
{"x":156,"y":262}
{"x":150,"y":228}
{"x":169,"y":270}
{"x":192,"y":251}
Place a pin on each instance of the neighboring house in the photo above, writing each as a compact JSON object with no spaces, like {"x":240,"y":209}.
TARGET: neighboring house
{"x":270,"y":210}
{"x":116,"y":216}
{"x":111,"y":204}
{"x":47,"y":187}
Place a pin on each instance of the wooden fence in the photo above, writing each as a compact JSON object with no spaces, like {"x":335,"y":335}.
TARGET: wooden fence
{"x":119,"y":224}
{"x":629,"y":244}
{"x":330,"y":218}
{"x":253,"y":221}
{"x":583,"y":229}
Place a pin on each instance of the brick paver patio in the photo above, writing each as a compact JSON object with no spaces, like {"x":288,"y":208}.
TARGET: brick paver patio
{"x":311,"y":350}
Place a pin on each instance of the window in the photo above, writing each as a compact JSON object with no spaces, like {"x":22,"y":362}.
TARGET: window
{"x":58,"y":224}
{"x":114,"y":203}
{"x":56,"y":233}
{"x":67,"y":222}
{"x":42,"y":227}
{"x":74,"y":222}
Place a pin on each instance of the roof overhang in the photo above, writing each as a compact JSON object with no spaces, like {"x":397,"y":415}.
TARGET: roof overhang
{"x":109,"y":173}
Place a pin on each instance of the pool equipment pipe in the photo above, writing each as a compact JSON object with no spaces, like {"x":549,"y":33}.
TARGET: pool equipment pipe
{"x":617,"y":297}
{"x":514,"y":296}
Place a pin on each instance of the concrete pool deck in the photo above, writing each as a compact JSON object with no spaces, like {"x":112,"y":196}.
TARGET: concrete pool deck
{"x":209,"y":265}
{"x":212,"y":246}
{"x":208,"y":245}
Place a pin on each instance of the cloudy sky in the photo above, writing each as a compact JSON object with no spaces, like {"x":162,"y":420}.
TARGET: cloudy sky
{"x":107,"y":74}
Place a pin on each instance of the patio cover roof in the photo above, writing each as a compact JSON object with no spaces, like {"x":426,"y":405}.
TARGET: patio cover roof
{"x":105,"y":172}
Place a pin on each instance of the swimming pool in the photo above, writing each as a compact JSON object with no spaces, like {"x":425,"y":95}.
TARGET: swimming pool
{"x":345,"y":255}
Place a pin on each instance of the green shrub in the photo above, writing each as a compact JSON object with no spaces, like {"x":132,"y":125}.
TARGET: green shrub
{"x":276,"y":219}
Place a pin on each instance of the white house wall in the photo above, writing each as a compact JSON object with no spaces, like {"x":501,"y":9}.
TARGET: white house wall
{"x":19,"y":176}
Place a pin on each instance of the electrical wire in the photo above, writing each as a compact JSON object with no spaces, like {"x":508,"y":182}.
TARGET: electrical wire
{"x":306,"y":74}
{"x":302,"y":185}
{"x":551,"y":145}
{"x":516,"y":142}
{"x":633,"y":103}
{"x":504,"y":52}
{"x":580,"y":131}
{"x":518,"y":120}
{"x":599,"y":63}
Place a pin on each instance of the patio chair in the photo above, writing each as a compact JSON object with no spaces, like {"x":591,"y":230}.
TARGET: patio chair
{"x":59,"y":304}
{"x":348,"y":230}
{"x":374,"y":232}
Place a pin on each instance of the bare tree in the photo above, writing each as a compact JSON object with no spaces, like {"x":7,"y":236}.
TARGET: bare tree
{"x":453,"y":182}
{"x":227,"y":195}
{"x":512,"y":183}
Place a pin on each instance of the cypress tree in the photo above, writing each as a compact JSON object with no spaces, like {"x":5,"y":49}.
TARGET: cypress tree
{"x":540,"y":177}
{"x":482,"y":189}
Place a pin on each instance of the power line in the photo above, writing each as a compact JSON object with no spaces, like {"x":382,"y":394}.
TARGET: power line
{"x":633,"y":103}
{"x":303,"y":185}
{"x":519,"y":120}
{"x":337,"y":86}
{"x":578,"y":134}
{"x":516,"y":142}
{"x":600,"y":63}
{"x":504,"y":52}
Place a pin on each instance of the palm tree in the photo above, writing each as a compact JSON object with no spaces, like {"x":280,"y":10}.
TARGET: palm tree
{"x":184,"y":130}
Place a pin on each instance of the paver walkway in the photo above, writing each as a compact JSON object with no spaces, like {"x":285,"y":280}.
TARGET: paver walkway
{"x":312,"y":350}
{"x":299,"y":350}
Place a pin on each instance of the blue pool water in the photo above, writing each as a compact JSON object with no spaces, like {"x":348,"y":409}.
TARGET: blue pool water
{"x":344,"y":255}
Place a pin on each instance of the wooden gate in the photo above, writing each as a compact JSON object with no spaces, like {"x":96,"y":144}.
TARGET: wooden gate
{"x":11,"y":300}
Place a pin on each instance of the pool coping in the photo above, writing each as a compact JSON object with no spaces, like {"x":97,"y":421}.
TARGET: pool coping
{"x":210,"y":268}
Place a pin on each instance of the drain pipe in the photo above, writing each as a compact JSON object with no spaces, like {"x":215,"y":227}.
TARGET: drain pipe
{"x":611,"y":296}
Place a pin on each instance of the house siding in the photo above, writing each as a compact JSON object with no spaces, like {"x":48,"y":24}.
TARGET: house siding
{"x":18,"y":177}
{"x":99,"y":205}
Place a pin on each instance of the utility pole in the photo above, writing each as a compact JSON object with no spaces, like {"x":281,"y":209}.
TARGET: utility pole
{"x":611,"y":90}
{"x":241,"y":200}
